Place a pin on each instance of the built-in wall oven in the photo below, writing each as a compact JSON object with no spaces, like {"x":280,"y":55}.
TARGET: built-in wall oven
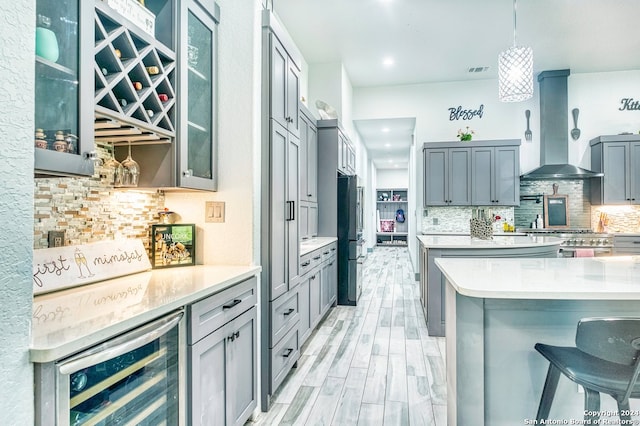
{"x":133,"y":379}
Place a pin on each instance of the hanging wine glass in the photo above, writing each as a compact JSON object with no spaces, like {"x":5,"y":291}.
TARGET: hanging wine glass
{"x":115,"y":171}
{"x":131,"y":171}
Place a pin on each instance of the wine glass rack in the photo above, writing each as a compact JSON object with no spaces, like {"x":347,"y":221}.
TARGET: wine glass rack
{"x":135,"y":77}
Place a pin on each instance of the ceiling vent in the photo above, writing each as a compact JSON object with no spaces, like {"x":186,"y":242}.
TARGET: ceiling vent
{"x":474,"y":70}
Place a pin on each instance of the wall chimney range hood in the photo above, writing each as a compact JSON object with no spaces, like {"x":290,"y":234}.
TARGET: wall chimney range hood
{"x":554,"y":131}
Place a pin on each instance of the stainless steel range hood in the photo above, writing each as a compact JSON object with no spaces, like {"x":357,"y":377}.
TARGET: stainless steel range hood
{"x":554,"y":131}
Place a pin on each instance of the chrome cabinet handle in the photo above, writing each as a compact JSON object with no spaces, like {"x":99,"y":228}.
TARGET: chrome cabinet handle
{"x":232,"y":304}
{"x":289,"y":312}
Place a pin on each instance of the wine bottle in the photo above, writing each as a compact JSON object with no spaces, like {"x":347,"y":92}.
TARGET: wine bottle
{"x":153,"y":70}
{"x":163,"y":97}
{"x":137,"y":85}
{"x":104,"y":71}
{"x":118,"y":53}
{"x":123,"y":102}
{"x":150,"y":113}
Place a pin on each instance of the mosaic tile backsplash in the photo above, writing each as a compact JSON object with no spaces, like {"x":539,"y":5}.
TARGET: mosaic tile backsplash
{"x":621,"y":219}
{"x":90,"y":209}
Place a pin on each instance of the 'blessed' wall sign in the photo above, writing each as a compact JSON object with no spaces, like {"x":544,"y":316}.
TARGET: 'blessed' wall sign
{"x":465,"y":114}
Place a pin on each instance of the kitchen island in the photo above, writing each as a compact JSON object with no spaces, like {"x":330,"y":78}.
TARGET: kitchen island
{"x":498,"y":309}
{"x":432,"y":247}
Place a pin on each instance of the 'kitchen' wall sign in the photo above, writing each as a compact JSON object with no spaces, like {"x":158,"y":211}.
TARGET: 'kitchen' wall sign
{"x":465,"y":114}
{"x":628,"y":104}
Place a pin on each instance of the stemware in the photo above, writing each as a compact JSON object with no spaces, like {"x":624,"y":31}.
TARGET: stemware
{"x":131,"y":171}
{"x":115,"y":171}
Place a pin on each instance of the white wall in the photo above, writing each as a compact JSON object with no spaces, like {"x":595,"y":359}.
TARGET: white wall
{"x":236,"y":240}
{"x":392,"y":178}
{"x":597,"y":95}
{"x":16,"y":209}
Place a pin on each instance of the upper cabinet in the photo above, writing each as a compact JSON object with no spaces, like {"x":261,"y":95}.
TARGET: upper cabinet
{"x":479,"y":173}
{"x":335,"y":145}
{"x":618,"y":157}
{"x":447,"y":176}
{"x":284,"y":87}
{"x":63,"y":134}
{"x":495,"y":176}
{"x":198,"y":109}
{"x":308,"y":156}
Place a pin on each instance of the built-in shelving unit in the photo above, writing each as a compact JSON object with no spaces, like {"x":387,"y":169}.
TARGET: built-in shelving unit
{"x":391,"y":205}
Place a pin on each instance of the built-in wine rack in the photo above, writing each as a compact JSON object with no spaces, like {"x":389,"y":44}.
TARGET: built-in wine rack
{"x":135,"y":77}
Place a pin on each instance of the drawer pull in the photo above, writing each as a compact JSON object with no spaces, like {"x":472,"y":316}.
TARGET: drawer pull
{"x":234,"y":336}
{"x":333,"y":249}
{"x":316,"y":258}
{"x":331,"y":264}
{"x":307,"y":263}
{"x":289,"y":312}
{"x":326,"y":252}
{"x":232,"y":304}
{"x":313,"y":277}
{"x":636,"y":242}
{"x":287,"y":353}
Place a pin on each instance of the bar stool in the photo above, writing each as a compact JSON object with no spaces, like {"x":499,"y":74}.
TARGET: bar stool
{"x":606,"y":359}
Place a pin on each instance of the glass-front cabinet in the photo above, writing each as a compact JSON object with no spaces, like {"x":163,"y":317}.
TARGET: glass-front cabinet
{"x":198,"y":108}
{"x":63,"y":134}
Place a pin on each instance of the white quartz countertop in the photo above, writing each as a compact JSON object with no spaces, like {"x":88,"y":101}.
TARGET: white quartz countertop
{"x":70,"y":320}
{"x":498,"y":241}
{"x":307,"y":246}
{"x":596,"y":278}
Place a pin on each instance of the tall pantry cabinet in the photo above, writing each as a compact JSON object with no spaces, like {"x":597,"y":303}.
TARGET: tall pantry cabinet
{"x":280,"y":202}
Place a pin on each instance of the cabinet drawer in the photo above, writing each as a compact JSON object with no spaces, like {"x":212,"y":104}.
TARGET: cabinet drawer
{"x":211,"y":313}
{"x":328,"y":251}
{"x":626,"y":242}
{"x":285,"y":314}
{"x":310,"y":261}
{"x":283,"y":356}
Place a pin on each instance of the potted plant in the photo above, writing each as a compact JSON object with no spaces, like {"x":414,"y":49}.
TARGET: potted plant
{"x":465,"y":135}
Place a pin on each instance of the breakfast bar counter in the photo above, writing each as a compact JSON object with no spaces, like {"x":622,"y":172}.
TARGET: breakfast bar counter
{"x":497,"y":309}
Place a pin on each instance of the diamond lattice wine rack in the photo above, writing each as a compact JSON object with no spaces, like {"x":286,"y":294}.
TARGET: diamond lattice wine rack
{"x":134,"y":82}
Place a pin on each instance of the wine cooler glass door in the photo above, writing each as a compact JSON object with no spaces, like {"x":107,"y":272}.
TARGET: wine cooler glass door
{"x":130,"y":380}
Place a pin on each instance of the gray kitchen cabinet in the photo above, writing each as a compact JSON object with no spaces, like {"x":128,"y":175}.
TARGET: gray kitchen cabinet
{"x":223,"y":357}
{"x":618,"y":157}
{"x":626,"y":244}
{"x":482,"y":173}
{"x":328,"y":284}
{"x":447,"y":176}
{"x":284,"y":248}
{"x":495,"y":176}
{"x":315,"y":297}
{"x":304,"y":326}
{"x":308,"y":220}
{"x":308,"y":156}
{"x":173,"y":117}
{"x":280,"y":205}
{"x":63,"y":110}
{"x":284,"y":86}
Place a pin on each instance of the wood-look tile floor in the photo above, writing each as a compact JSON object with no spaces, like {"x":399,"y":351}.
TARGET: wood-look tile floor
{"x":373,"y":364}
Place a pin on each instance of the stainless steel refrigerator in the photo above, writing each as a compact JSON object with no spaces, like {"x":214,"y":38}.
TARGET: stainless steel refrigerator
{"x":350,"y":242}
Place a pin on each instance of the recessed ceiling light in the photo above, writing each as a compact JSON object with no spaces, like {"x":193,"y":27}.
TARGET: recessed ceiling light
{"x":388,"y":145}
{"x":385,"y":129}
{"x":395,"y":165}
{"x":387,"y":62}
{"x":391,"y":161}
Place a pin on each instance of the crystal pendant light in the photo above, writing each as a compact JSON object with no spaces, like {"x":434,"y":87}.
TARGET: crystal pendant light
{"x":515,"y":70}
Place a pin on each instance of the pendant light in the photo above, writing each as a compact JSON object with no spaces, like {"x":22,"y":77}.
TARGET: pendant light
{"x":515,"y":70}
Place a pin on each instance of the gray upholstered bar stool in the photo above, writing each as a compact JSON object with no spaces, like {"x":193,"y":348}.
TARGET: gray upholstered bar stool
{"x":606,"y":359}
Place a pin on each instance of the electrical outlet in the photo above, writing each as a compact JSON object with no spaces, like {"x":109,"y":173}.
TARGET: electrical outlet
{"x":56,"y":238}
{"x":214,"y":212}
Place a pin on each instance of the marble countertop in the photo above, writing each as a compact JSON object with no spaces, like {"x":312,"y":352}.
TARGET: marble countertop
{"x":597,"y":278}
{"x":307,"y":246}
{"x":71,"y":320}
{"x":498,"y":241}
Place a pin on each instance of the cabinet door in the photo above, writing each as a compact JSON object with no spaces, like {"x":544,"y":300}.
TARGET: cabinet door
{"x":304,"y":158}
{"x":292,"y":99}
{"x":280,"y":210}
{"x":312,"y":225}
{"x":304,"y":326}
{"x":242,"y":355}
{"x":616,"y":172}
{"x":351,"y":160}
{"x":63,"y":110}
{"x":342,"y":155}
{"x":312,"y":164}
{"x":435,"y":177}
{"x":325,"y":288}
{"x":278,"y":93}
{"x":634,"y":172}
{"x":506,"y":176}
{"x":314,"y":297}
{"x":459,"y":177}
{"x":481,"y":181}
{"x":208,"y":377}
{"x":293,"y":201}
{"x":197,"y":159}
{"x":304,"y":221}
{"x":333,"y":278}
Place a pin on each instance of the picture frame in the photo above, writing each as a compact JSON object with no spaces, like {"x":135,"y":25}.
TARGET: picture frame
{"x":173,"y":245}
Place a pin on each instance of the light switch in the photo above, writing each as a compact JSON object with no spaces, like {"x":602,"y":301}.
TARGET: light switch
{"x":214,"y":212}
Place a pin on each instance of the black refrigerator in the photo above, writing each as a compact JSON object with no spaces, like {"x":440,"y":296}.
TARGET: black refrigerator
{"x":350,"y":242}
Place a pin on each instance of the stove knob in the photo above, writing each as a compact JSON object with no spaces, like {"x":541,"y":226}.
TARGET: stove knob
{"x":581,"y":241}
{"x":593,"y":242}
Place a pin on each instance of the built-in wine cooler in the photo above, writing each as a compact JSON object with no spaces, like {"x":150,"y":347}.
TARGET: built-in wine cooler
{"x":133,"y":379}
